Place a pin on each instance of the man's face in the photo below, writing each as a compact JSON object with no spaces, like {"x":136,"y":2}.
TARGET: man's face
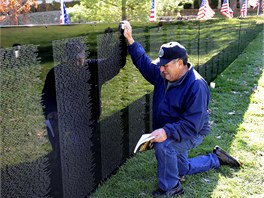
{"x":171,"y":70}
{"x":81,"y":59}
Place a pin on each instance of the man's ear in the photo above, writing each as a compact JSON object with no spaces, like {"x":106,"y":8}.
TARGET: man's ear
{"x":180,"y":63}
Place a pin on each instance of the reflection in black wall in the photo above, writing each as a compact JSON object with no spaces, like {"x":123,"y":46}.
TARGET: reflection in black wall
{"x":120,"y":132}
{"x":24,"y":147}
{"x":85,"y":150}
{"x":89,"y":150}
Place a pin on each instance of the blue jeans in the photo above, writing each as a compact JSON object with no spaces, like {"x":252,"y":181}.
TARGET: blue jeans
{"x":173,"y":161}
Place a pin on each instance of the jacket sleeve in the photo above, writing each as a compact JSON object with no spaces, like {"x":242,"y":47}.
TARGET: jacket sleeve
{"x":142,"y":61}
{"x":195,"y":118}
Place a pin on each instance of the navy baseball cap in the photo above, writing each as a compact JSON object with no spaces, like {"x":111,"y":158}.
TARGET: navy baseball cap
{"x":169,"y":52}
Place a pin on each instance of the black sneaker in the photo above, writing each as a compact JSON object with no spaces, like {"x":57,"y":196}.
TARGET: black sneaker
{"x":176,"y":191}
{"x":225,"y":158}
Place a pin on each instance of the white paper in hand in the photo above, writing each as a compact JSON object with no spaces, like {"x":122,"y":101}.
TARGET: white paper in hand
{"x":144,"y":138}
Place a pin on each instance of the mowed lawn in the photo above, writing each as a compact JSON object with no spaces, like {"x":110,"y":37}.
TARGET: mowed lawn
{"x":237,"y":120}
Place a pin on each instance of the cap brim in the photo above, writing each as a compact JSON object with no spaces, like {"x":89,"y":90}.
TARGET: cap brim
{"x":160,"y":61}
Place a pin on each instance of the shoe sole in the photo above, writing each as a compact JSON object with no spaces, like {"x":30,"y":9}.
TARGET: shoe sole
{"x":235,"y":162}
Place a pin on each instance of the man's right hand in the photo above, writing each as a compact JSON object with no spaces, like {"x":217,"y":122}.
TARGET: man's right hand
{"x":160,"y":135}
{"x":128,"y":32}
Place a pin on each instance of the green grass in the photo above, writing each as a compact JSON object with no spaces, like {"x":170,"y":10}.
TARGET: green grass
{"x":44,"y":35}
{"x":237,"y":116}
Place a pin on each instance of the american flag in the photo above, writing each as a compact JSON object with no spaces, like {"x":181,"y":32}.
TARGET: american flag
{"x":64,"y":18}
{"x":226,"y":11}
{"x":152,"y":17}
{"x":254,"y":3}
{"x":205,"y":11}
{"x":243,"y":11}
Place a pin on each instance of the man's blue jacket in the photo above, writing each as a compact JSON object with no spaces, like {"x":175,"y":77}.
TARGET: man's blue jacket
{"x":180,"y":107}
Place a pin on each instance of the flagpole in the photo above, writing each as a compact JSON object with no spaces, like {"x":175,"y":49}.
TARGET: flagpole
{"x":262,"y":7}
{"x":247,"y":6}
{"x":258,"y":8}
{"x":153,"y":15}
{"x":62,"y":12}
{"x":228,"y":7}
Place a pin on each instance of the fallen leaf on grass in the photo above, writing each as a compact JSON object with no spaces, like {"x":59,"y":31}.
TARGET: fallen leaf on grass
{"x":206,"y":180}
{"x":232,"y":113}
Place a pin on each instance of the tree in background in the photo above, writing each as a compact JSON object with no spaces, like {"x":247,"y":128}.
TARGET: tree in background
{"x":113,"y":11}
{"x":169,"y":7}
{"x":109,"y":11}
{"x":44,"y":5}
{"x":16,"y":7}
{"x":219,"y":4}
{"x":233,"y":6}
